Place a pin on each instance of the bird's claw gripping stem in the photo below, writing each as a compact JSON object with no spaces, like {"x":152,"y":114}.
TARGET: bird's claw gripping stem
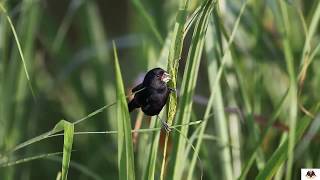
{"x":165,"y":126}
{"x":172,"y":90}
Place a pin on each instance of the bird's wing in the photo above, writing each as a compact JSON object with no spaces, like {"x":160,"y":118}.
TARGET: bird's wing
{"x":137,"y":88}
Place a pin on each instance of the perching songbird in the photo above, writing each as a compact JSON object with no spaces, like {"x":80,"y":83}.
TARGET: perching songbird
{"x":152,"y":94}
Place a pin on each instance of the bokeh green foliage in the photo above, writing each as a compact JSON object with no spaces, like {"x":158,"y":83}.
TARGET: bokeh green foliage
{"x":247,"y":69}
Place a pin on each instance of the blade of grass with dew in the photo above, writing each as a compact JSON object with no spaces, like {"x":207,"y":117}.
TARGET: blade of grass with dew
{"x":67,"y":148}
{"x":213,"y":90}
{"x":125,"y":149}
{"x":188,"y":87}
{"x":172,"y":67}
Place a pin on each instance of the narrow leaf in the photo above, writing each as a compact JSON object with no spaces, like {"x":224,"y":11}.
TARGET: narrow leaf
{"x":67,"y":148}
{"x":125,"y":148}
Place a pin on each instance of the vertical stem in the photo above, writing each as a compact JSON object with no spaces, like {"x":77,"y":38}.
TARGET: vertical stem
{"x":173,"y":64}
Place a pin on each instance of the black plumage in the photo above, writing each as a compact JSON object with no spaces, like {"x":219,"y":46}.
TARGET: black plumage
{"x":152,"y":94}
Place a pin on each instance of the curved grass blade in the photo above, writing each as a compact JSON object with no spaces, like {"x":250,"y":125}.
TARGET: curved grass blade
{"x":125,"y":148}
{"x":19,"y":48}
{"x":67,"y":146}
{"x":57,"y":128}
{"x":28,"y":159}
{"x":188,"y":87}
{"x":210,"y":104}
{"x":172,"y":67}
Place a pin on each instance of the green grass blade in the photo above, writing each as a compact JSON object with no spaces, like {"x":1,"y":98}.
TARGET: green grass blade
{"x":152,"y":159}
{"x":293,"y":110}
{"x":81,"y":168}
{"x":281,"y":154}
{"x":67,"y":148}
{"x":188,"y":87}
{"x":148,"y":19}
{"x":172,"y":67}
{"x":19,"y":48}
{"x":273,"y":118}
{"x":310,"y":35}
{"x":125,"y":149}
{"x":57,"y":128}
{"x":65,"y":25}
{"x":307,"y":55}
{"x":220,"y":120}
{"x":174,"y":57}
{"x":28,"y":159}
{"x":214,"y":86}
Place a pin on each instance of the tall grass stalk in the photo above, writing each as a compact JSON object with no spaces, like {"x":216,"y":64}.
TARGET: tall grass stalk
{"x":293,"y":110}
{"x":172,"y":67}
{"x":125,"y":148}
{"x":188,"y":87}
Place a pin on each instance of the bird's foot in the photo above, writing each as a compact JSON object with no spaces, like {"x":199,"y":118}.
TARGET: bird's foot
{"x":165,"y":126}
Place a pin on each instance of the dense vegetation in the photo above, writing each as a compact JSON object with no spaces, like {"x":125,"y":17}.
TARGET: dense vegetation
{"x":247,"y":101}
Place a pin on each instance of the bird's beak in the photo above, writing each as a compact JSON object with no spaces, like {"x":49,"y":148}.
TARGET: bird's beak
{"x":165,"y":77}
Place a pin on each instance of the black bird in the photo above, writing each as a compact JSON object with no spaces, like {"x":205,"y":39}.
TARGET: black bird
{"x":152,"y":94}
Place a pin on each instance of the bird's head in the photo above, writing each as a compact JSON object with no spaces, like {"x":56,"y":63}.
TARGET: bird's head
{"x":156,"y":77}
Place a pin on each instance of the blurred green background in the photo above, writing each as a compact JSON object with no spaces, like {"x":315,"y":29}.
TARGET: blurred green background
{"x":269,"y":85}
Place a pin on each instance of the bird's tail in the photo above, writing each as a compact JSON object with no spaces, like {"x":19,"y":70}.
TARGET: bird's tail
{"x":132,"y":105}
